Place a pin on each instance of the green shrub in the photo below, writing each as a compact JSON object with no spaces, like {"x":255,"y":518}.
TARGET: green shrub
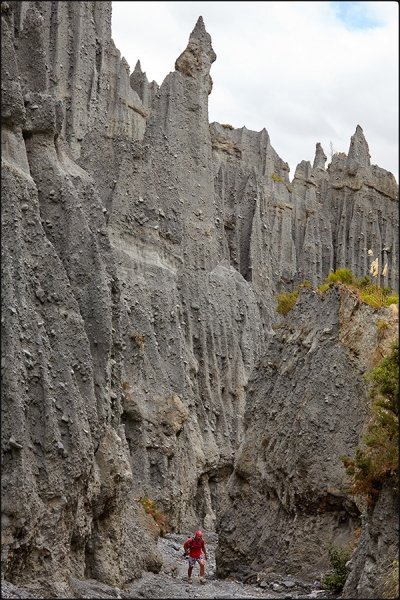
{"x":370,"y":293}
{"x":322,"y":288}
{"x":341,"y":275}
{"x":364,"y":282}
{"x":379,"y":460}
{"x":227,"y":126}
{"x":385,"y":380}
{"x":372,"y":300}
{"x":392,"y":300}
{"x":286,"y":301}
{"x":338,"y":558}
{"x":376,"y":296}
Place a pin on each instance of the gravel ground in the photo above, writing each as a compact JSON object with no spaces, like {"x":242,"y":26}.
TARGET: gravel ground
{"x":8,"y":590}
{"x":171,"y":581}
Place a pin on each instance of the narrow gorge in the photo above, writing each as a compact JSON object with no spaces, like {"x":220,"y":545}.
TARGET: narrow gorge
{"x":142,"y":354}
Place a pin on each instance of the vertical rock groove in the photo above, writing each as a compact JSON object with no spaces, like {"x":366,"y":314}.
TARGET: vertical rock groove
{"x":142,"y":250}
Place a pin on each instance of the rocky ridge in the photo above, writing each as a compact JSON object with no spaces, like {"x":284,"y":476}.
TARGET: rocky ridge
{"x":142,"y":250}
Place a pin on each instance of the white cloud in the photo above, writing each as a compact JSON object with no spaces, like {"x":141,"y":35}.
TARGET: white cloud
{"x":291,"y":67}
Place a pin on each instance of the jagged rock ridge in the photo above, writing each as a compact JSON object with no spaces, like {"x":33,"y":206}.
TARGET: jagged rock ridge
{"x":142,"y":250}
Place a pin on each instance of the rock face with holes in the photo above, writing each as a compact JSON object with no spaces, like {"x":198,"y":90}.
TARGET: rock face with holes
{"x":142,"y":251}
{"x":191,"y":324}
{"x":306,"y":406}
{"x":67,"y":503}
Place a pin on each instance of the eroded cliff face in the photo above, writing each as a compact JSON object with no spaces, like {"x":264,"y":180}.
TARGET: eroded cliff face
{"x":66,"y":471}
{"x":142,"y":250}
{"x":191,"y":325}
{"x":306,"y":406}
{"x":322,"y":220}
{"x":377,"y":548}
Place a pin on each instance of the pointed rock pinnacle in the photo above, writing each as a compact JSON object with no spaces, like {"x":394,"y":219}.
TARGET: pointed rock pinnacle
{"x":199,"y":29}
{"x":359,"y":151}
{"x":196,"y":60}
{"x":138,"y":68}
{"x":320,"y":158}
{"x":138,"y":81}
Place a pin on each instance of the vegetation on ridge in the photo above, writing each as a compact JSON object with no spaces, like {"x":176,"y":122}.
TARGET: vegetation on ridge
{"x":378,"y":461}
{"x":286,"y":300}
{"x":369,"y":293}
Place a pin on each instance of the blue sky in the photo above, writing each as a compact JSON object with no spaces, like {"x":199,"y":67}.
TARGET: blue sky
{"x":356,"y":16}
{"x":306,"y":71}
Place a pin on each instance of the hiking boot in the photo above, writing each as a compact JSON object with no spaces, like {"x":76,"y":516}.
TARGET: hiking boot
{"x":202,"y":580}
{"x":190,"y":580}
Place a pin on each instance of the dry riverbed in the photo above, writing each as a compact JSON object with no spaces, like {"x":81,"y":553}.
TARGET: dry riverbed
{"x":171,"y":581}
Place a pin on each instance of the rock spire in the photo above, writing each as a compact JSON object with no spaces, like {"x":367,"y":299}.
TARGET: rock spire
{"x":320,"y":157}
{"x":198,"y":57}
{"x":142,"y":354}
{"x":359,"y":151}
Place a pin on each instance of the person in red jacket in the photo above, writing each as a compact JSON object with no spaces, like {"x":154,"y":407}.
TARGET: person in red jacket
{"x":195,"y":548}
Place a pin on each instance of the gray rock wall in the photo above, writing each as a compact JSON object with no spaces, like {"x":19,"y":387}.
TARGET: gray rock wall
{"x":377,"y":548}
{"x":66,"y":474}
{"x":82,"y":67}
{"x":306,"y":407}
{"x":324,"y":219}
{"x":142,"y":251}
{"x":199,"y":321}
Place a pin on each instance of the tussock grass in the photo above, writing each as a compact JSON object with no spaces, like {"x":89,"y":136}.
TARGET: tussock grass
{"x":367,"y":292}
{"x":286,"y":300}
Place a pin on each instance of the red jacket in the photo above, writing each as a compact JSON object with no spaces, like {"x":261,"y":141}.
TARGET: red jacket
{"x":196,"y":548}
